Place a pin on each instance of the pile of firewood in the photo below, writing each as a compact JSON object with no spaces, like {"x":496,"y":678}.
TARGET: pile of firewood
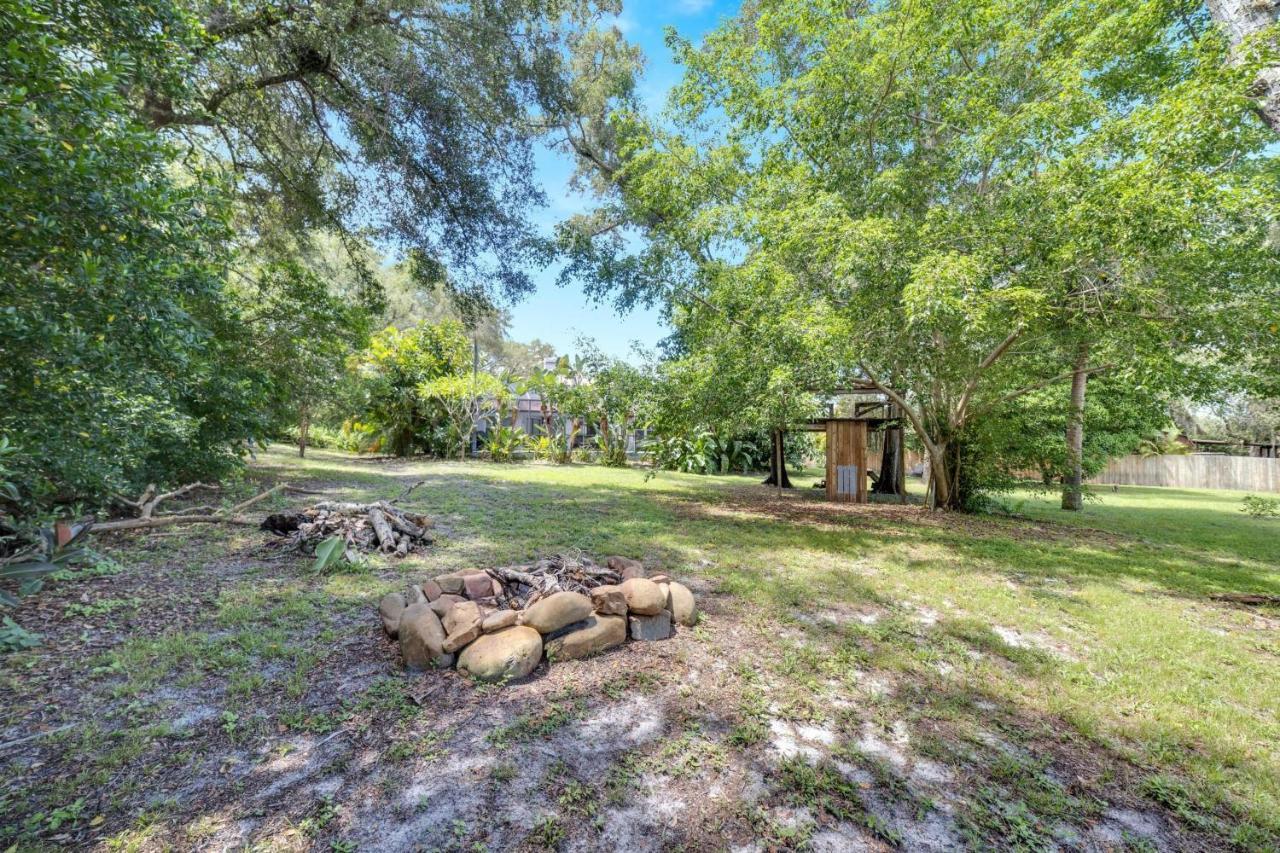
{"x":379,"y":526}
{"x":524,"y":584}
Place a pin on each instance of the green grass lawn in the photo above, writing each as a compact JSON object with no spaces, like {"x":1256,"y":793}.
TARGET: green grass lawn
{"x":1057,"y":671}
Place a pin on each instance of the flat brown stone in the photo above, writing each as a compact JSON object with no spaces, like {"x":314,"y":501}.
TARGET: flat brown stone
{"x":510,"y":653}
{"x":452,"y":584}
{"x":462,"y":637}
{"x":609,"y":600}
{"x":556,"y":611}
{"x":626,"y":567}
{"x":477,"y":585}
{"x":389,"y":610}
{"x":499,"y":620}
{"x":442,"y":604}
{"x":462,"y":615}
{"x":599,"y":633}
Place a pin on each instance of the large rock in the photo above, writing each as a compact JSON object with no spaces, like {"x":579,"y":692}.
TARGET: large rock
{"x":644,"y":598}
{"x":461,"y":616}
{"x":422,"y":638}
{"x":461,"y":637}
{"x":442,"y":604}
{"x":651,"y":627}
{"x":477,"y":585}
{"x":599,"y":633}
{"x":452,"y":584}
{"x":390,"y":609}
{"x":681,"y":604}
{"x":431,"y":590}
{"x":507,"y":654}
{"x":499,"y":620}
{"x":557,"y":610}
{"x":626,"y":567}
{"x":609,"y":600}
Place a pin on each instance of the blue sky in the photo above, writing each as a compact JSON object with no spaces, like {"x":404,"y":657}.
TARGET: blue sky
{"x":561,"y":315}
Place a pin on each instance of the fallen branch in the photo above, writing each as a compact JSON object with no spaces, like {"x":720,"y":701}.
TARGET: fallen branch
{"x":148,"y":501}
{"x":168,"y":520}
{"x":243,"y":505}
{"x":147,"y":520}
{"x":298,"y":490}
{"x":406,"y":492}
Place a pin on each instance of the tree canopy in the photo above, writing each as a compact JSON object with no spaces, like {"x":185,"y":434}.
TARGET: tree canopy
{"x":121,"y":348}
{"x":946,"y":203}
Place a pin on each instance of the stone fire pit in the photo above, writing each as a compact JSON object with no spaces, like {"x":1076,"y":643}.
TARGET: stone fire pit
{"x":497,"y":624}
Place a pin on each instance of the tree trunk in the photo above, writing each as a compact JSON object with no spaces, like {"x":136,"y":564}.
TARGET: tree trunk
{"x":304,"y":429}
{"x":1240,"y":19}
{"x":1073,"y":482}
{"x":889,"y":481}
{"x":944,"y":470}
{"x":778,"y":461}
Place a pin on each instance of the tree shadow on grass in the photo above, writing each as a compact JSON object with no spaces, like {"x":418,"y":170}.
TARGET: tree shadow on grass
{"x":364,"y":754}
{"x":1027,"y":553}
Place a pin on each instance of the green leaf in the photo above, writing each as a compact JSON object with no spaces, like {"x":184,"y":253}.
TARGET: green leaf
{"x":329,"y":553}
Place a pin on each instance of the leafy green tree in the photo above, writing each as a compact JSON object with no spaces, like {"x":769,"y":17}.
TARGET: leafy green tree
{"x":611,"y":396}
{"x":120,"y":347}
{"x":952,"y":205}
{"x":1028,"y":436}
{"x":394,"y":369}
{"x":302,"y":334}
{"x":548,"y":384}
{"x":417,"y":119}
{"x":523,"y":359}
{"x":463,"y":399}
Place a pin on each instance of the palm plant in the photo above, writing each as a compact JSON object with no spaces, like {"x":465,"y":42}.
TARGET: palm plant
{"x":1162,"y":443}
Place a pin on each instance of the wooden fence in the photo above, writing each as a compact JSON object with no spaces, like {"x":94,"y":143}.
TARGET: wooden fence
{"x":1195,"y":471}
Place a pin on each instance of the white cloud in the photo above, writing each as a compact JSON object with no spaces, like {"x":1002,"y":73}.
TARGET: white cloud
{"x":624,"y":22}
{"x":692,"y":7}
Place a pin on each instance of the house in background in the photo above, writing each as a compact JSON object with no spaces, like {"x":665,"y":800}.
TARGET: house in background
{"x":526,"y":415}
{"x":1210,"y":445}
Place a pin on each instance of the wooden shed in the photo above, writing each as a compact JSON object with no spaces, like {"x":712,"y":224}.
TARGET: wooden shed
{"x":846,"y":460}
{"x":847,"y":457}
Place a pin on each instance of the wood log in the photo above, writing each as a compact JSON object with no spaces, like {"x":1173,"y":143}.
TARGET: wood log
{"x":167,"y":520}
{"x":505,"y":574}
{"x":404,"y":525}
{"x":343,"y":507}
{"x":243,"y":505}
{"x":386,"y":537}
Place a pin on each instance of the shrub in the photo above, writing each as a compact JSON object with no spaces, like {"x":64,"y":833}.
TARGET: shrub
{"x":543,"y":447}
{"x":122,"y":352}
{"x":702,"y":451}
{"x":504,"y":442}
{"x":1260,"y":507}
